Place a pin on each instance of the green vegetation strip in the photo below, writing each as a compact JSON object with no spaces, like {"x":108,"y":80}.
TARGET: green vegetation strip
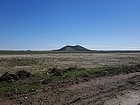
{"x":35,"y":82}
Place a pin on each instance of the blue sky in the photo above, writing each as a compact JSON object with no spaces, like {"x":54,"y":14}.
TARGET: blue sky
{"x":51,"y":24}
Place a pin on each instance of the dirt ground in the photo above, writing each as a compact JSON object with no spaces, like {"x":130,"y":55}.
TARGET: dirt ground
{"x":123,"y":89}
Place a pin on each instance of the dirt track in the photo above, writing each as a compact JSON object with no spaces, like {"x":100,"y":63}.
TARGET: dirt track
{"x":112,"y":90}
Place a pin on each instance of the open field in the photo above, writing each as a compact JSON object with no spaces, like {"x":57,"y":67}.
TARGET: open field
{"x":94,"y":79}
{"x":40,"y":62}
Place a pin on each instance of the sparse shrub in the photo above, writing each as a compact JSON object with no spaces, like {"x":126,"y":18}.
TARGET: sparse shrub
{"x":72,"y":68}
{"x":56,"y":71}
{"x":14,"y":76}
{"x":46,"y":81}
{"x":11,"y":77}
{"x":23,"y":74}
{"x":6,"y":77}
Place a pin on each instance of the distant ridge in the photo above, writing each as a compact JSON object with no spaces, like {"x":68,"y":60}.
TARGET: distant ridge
{"x":73,"y":48}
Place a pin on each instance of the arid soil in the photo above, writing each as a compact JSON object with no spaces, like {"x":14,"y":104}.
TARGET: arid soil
{"x":123,"y":89}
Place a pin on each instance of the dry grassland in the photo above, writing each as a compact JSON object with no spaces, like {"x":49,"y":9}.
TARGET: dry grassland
{"x":41,"y":62}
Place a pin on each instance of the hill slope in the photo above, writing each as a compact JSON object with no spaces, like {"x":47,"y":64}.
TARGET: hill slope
{"x":73,"y":48}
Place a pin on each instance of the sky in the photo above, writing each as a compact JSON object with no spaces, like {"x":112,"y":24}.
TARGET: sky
{"x":52,"y":24}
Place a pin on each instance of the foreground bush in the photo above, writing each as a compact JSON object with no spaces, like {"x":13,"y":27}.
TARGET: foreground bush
{"x":9,"y":77}
{"x":23,"y":74}
{"x":55,"y":71}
